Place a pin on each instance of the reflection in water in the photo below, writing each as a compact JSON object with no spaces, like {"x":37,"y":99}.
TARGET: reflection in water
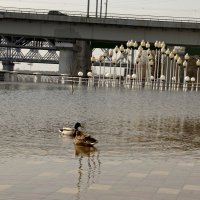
{"x":91,"y":165}
{"x":163,"y":133}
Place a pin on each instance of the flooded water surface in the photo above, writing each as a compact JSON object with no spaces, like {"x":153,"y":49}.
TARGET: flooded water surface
{"x":134,"y":129}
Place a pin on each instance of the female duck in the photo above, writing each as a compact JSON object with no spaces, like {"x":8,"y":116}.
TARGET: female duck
{"x":84,"y":139}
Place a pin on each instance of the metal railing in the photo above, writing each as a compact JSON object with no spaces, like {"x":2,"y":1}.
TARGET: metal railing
{"x":116,"y":16}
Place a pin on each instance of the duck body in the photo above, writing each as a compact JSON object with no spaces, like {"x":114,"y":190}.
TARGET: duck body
{"x":84,"y":139}
{"x":67,"y":131}
{"x":71,"y":132}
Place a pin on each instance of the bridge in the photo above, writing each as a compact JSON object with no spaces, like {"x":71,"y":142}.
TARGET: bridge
{"x":75,"y":34}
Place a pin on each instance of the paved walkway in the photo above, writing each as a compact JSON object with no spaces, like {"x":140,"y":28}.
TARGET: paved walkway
{"x":87,"y":179}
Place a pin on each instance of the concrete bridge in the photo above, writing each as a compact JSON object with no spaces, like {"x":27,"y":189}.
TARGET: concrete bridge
{"x":75,"y":35}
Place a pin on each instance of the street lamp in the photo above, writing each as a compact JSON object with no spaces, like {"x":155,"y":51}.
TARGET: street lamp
{"x":127,"y":55}
{"x":156,"y":45}
{"x":198,"y":65}
{"x":134,"y":77}
{"x":80,"y":74}
{"x":192,"y":80}
{"x":175,"y":71}
{"x":171,"y":56}
{"x":187,"y":79}
{"x":137,"y":69}
{"x":110,"y":54}
{"x":167,"y":52}
{"x":105,"y":54}
{"x":114,"y":61}
{"x":179,"y":62}
{"x":101,"y":59}
{"x":121,"y":59}
{"x":185,"y":63}
{"x":162,"y":78}
{"x":116,"y":50}
{"x":89,"y":74}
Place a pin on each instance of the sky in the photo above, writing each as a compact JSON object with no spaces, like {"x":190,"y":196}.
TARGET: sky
{"x":171,"y":8}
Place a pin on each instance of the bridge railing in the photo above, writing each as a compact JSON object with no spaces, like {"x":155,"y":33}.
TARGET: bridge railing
{"x":109,"y":15}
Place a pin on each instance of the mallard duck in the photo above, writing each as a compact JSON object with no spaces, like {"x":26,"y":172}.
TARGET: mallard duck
{"x":70,"y":131}
{"x":84,"y":139}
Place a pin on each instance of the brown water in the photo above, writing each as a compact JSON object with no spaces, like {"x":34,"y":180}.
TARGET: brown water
{"x":129,"y":125}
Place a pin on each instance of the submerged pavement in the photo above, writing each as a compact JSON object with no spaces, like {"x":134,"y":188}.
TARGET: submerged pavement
{"x":86,"y":178}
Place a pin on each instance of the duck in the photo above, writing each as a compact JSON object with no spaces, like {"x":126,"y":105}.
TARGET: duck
{"x":84,"y":139}
{"x":80,"y":138}
{"x":71,"y":132}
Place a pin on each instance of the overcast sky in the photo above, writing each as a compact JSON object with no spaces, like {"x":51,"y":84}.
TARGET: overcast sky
{"x":179,"y":8}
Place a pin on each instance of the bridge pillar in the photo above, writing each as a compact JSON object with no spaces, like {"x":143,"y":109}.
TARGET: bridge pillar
{"x":84,"y":57}
{"x":8,"y":65}
{"x":74,"y":58}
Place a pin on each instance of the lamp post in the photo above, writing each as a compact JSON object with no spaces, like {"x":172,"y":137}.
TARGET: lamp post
{"x":158,"y":63}
{"x":167,"y":69}
{"x":179,"y":62}
{"x":127,"y":62}
{"x":152,"y":81}
{"x":134,"y":76}
{"x":104,"y":58}
{"x":162,"y":78}
{"x":80,"y":74}
{"x":156,"y":45}
{"x":100,"y":62}
{"x":116,"y":50}
{"x":121,"y":48}
{"x":93,"y":59}
{"x":187,"y":79}
{"x":186,"y":57}
{"x":171,"y":56}
{"x":89,"y":74}
{"x":163,"y":50}
{"x":137,"y":70}
{"x":150,"y":71}
{"x":174,"y":78}
{"x":114,"y":61}
{"x":147,"y":75}
{"x":192,"y":80}
{"x":197,"y":83}
{"x":110,"y":53}
{"x":185,"y":73}
{"x":132,"y":45}
{"x":120,"y":69}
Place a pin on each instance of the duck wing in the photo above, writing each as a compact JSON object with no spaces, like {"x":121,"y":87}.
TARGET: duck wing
{"x":84,"y":139}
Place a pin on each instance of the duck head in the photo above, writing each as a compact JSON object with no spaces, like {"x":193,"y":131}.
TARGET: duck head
{"x":77,"y":125}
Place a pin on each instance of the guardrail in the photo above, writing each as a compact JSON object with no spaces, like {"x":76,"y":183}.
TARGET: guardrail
{"x":117,"y":16}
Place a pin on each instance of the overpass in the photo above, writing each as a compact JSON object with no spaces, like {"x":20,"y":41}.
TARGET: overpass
{"x":74,"y":35}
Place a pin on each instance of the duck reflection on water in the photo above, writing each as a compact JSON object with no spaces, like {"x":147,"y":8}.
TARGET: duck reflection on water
{"x":89,"y":168}
{"x":85,"y":151}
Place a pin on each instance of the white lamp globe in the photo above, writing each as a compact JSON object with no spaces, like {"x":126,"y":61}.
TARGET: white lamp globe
{"x":152,"y":78}
{"x":89,"y":74}
{"x":162,"y":77}
{"x":80,"y":73}
{"x":193,"y":79}
{"x":187,"y":78}
{"x":134,"y":76}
